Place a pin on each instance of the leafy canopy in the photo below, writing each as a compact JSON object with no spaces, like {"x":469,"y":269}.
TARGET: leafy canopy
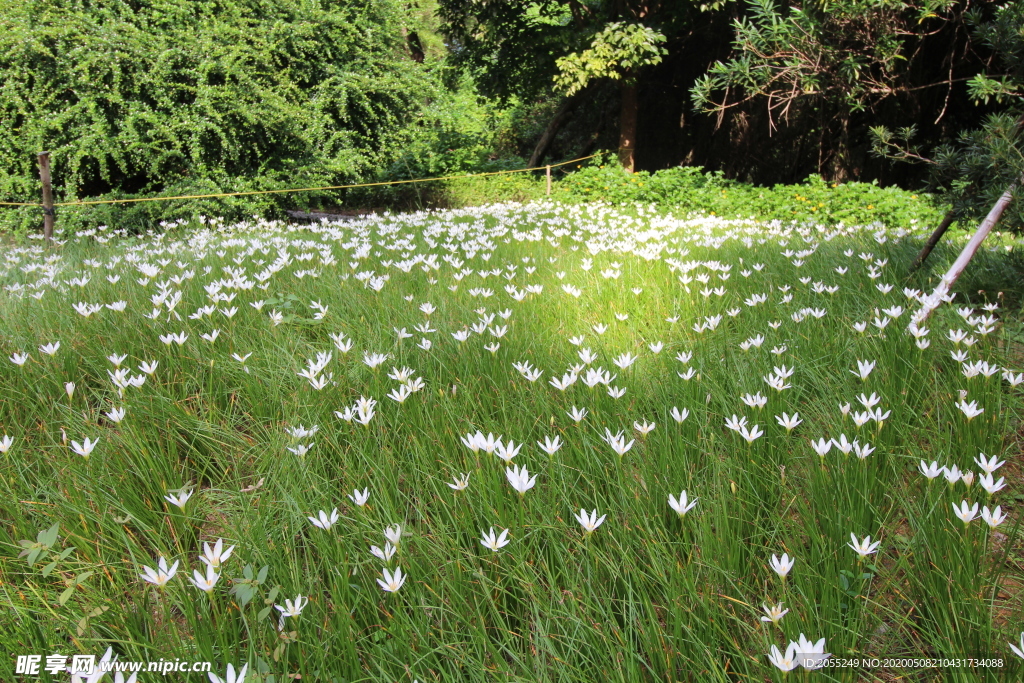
{"x":155,"y":96}
{"x":616,"y":52}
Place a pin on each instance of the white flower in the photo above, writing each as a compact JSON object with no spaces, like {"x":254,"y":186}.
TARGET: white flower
{"x":160,"y":576}
{"x":386,"y":554}
{"x":292,"y":609}
{"x":971,"y":410}
{"x":757,"y":400}
{"x":993,"y":517}
{"x":325,"y":522}
{"x":811,"y":655}
{"x":375,"y":359}
{"x":300,"y":449}
{"x":679,"y":415}
{"x":6,"y":443}
{"x":207,"y":583}
{"x":360,"y":498}
{"x":625,"y":360}
{"x":865,"y":547}
{"x":788,"y":422}
{"x":752,"y":434}
{"x":862,"y":450}
{"x":230,"y":676}
{"x":49,"y":349}
{"x":85,"y":448}
{"x":965,"y":512}
{"x":577,"y":414}
{"x":179,"y":499}
{"x":782,"y":566}
{"x":644,"y":427}
{"x":392,"y":582}
{"x":215,"y":555}
{"x":115,"y":414}
{"x":493,"y":542}
{"x":785,"y":662}
{"x":618,"y":442}
{"x":931,"y":471}
{"x":520,"y":479}
{"x":989,"y":484}
{"x":393,"y":534}
{"x":774,"y":613}
{"x":864,"y":368}
{"x":1019,"y":651}
{"x":989,"y":465}
{"x":683,"y":504}
{"x":461,"y":482}
{"x":843,"y":444}
{"x":688,"y":375}
{"x":507,"y":451}
{"x":19,"y":358}
{"x":821,"y":446}
{"x":735,"y":423}
{"x":589,"y":522}
{"x":550,"y":446}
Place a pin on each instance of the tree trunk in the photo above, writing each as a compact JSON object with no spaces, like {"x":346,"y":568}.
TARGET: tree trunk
{"x":627,"y":123}
{"x":933,"y":240}
{"x":949,"y":279}
{"x":554,"y":124}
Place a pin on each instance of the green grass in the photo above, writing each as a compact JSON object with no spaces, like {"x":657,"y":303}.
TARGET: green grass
{"x":649,"y":595}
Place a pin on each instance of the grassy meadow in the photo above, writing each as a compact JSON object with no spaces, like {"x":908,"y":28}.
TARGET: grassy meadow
{"x":600,"y":444}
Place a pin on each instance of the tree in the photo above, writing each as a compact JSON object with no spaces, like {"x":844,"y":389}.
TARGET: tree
{"x":974,"y":170}
{"x":523,"y":48}
{"x":176,"y":96}
{"x":618,"y":52}
{"x":832,"y":66}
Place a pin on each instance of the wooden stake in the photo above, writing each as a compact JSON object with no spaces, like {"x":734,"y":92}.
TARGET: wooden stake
{"x":933,"y":240}
{"x":549,"y":179}
{"x":967,"y":254}
{"x":44,"y":176}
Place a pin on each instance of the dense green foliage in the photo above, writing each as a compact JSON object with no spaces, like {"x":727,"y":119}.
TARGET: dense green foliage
{"x":178,"y":97}
{"x":982,"y":163}
{"x":685,"y":189}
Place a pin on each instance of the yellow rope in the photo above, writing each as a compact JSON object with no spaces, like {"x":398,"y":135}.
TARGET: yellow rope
{"x":301,"y":189}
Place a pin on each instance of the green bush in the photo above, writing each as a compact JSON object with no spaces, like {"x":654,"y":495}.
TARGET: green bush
{"x":690,"y":189}
{"x":168,"y":97}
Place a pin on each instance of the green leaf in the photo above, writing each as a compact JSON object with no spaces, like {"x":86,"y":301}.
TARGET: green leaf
{"x":48,"y":568}
{"x":66,"y":595}
{"x":49,"y":537}
{"x":243,"y":593}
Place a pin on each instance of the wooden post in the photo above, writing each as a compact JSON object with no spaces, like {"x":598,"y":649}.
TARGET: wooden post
{"x":549,"y":179}
{"x":967,"y":254}
{"x":44,"y":175}
{"x":933,"y":240}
